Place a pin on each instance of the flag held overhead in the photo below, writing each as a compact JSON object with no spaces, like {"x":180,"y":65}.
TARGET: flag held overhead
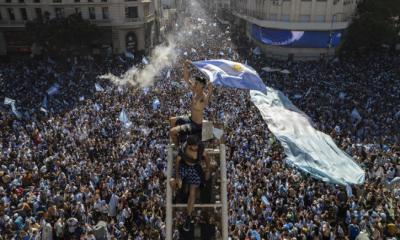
{"x":231,"y":74}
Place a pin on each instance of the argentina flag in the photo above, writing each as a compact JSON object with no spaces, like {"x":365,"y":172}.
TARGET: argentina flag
{"x":231,"y":74}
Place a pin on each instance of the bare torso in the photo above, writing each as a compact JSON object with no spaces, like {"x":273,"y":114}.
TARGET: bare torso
{"x":199,"y":102}
{"x":192,"y":156}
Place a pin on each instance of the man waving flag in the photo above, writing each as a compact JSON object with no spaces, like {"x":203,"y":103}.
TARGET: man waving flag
{"x":231,"y":74}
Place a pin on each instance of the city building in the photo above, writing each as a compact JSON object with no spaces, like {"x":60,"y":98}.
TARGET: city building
{"x":217,"y":5}
{"x":294,"y":29}
{"x":125,"y":24}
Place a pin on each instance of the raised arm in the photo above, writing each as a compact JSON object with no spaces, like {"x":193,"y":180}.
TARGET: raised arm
{"x":208,"y":165}
{"x":186,"y":74}
{"x":210,"y":89}
{"x":177,"y":166}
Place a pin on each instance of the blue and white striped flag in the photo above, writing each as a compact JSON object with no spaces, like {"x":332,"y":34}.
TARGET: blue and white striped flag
{"x":231,"y":74}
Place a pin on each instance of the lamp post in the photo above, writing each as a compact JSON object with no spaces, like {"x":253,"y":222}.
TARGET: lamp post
{"x":329,"y":45}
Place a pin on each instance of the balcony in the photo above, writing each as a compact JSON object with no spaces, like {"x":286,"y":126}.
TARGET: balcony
{"x":149,"y":18}
{"x":15,"y":23}
{"x":97,"y":21}
{"x":133,"y":19}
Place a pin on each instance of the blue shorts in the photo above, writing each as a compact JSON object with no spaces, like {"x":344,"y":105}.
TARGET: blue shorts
{"x":190,"y":174}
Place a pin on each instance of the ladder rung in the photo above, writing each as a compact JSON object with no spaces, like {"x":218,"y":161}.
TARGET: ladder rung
{"x":212,"y":150}
{"x":210,"y":205}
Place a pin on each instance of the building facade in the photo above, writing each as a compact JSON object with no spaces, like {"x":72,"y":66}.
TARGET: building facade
{"x":217,"y":5}
{"x":298,"y":29}
{"x":125,"y":24}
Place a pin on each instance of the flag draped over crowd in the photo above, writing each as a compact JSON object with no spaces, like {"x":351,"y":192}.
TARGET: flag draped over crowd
{"x":305,"y":147}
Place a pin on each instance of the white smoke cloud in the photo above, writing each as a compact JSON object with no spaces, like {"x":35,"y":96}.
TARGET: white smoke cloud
{"x":162,"y":56}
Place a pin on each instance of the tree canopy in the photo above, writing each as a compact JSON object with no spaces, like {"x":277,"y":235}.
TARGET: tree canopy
{"x":375,"y":24}
{"x":62,"y":34}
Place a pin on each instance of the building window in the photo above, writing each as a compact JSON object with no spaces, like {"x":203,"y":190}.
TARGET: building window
{"x":38,"y":12}
{"x":131,"y":12}
{"x":21,"y":1}
{"x":104,"y":11}
{"x":285,"y":18}
{"x":8,"y":1}
{"x":1,"y":16}
{"x":57,"y":1}
{"x":36,"y":1}
{"x":146,"y":9}
{"x":92,"y":13}
{"x":77,"y":1}
{"x":320,"y":18}
{"x":11,"y":14}
{"x":90,"y":1}
{"x":24,"y":16}
{"x":304,"y":18}
{"x":77,"y":11}
{"x":130,"y":0}
{"x":59,"y":12}
{"x":104,"y":0}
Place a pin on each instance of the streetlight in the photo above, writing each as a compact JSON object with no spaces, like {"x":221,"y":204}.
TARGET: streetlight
{"x":331,"y":33}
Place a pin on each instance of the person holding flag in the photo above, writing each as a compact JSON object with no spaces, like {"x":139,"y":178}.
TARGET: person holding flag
{"x":192,"y":124}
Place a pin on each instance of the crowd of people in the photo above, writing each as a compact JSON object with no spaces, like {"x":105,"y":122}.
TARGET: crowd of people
{"x":70,"y":165}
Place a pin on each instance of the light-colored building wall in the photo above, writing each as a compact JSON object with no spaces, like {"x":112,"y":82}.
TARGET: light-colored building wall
{"x":308,"y":11}
{"x":116,"y":20}
{"x":294,"y":15}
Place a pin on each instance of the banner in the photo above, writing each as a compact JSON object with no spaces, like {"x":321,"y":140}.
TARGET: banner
{"x":295,"y":38}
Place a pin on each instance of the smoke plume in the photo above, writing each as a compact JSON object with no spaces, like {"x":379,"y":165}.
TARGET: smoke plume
{"x":162,"y":56}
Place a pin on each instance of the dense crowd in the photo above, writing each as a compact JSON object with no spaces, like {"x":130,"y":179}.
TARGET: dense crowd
{"x":71,"y":163}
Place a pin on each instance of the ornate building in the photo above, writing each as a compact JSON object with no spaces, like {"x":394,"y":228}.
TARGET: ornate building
{"x":126,"y":24}
{"x":300,"y":29}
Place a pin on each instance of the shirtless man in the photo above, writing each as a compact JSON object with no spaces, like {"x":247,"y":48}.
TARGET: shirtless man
{"x":188,"y":169}
{"x":192,"y":124}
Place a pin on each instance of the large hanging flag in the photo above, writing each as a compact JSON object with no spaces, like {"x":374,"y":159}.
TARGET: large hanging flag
{"x":306,"y":148}
{"x":231,"y":74}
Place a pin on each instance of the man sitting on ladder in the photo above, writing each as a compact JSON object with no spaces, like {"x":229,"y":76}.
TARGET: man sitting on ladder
{"x":192,"y":124}
{"x":189,"y":171}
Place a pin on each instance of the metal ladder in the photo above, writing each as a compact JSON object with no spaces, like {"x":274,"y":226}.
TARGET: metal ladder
{"x":219,"y":200}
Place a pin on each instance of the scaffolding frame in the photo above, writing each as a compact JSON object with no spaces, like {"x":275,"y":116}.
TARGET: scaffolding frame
{"x":223,"y":205}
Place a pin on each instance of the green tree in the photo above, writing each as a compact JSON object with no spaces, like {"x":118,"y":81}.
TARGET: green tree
{"x":376,"y":22}
{"x":62,"y":34}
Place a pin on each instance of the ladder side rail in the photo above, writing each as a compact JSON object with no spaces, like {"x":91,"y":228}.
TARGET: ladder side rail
{"x":224,"y":193}
{"x":169,"y":195}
